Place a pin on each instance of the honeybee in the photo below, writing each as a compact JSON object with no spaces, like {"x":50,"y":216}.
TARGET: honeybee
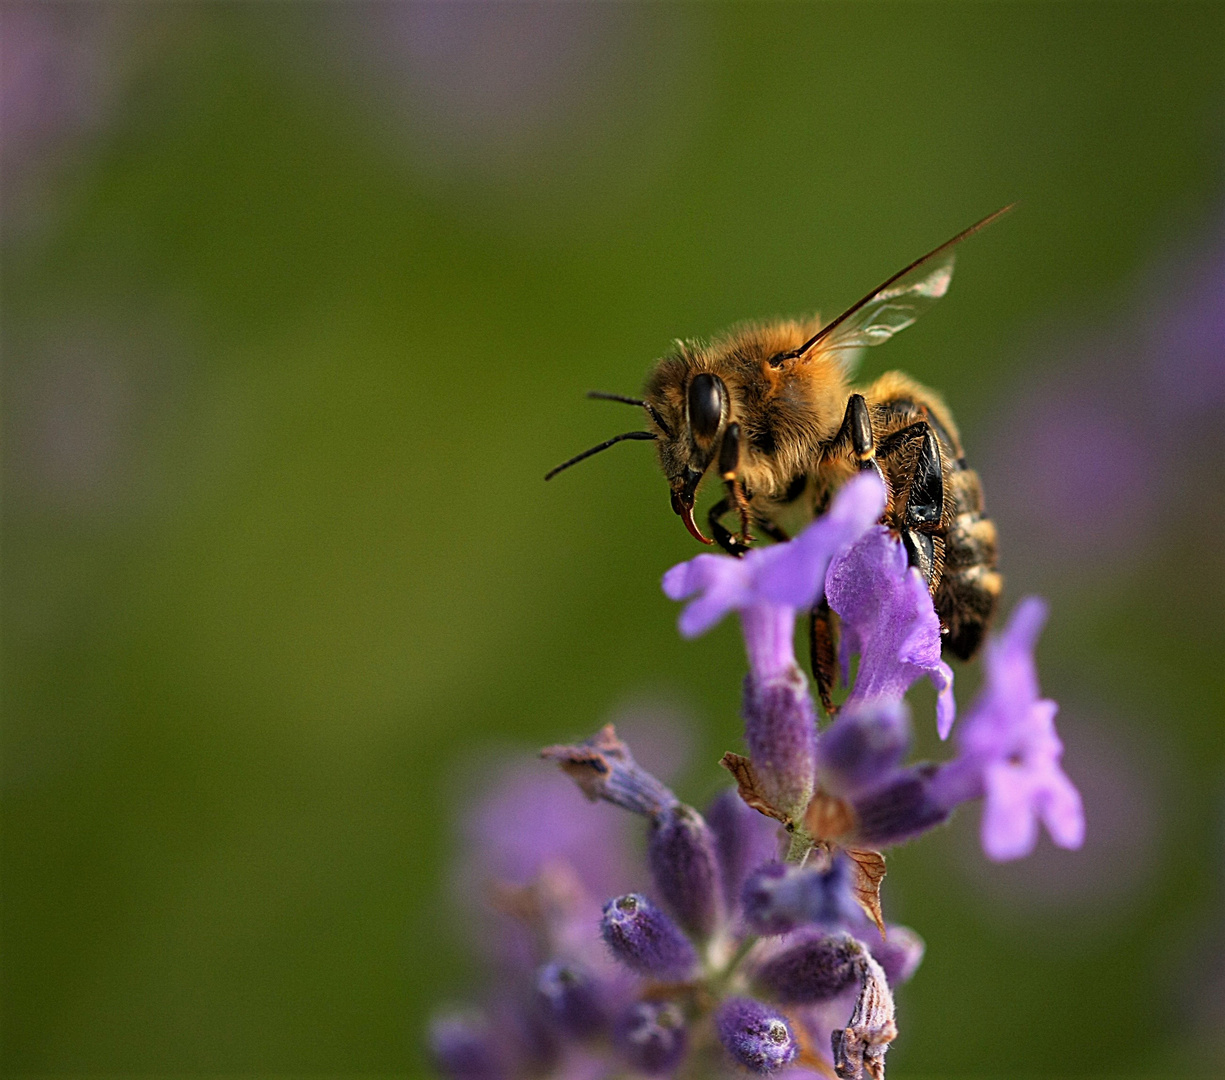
{"x":769,"y":407}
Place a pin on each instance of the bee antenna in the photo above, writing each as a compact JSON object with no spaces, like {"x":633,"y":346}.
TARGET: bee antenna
{"x":600,"y":395}
{"x":637,"y":435}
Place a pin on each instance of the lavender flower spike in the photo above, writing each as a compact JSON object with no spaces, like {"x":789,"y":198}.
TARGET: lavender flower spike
{"x":1010,"y":753}
{"x":755,"y":1035}
{"x":889,"y":619}
{"x":604,"y":768}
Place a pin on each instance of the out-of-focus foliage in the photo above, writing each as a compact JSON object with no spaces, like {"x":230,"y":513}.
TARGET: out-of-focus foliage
{"x":299,"y":303}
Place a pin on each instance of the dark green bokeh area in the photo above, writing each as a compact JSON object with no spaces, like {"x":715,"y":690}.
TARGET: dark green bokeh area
{"x":332,"y":337}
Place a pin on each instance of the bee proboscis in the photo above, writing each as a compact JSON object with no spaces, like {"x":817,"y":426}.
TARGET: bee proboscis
{"x":770,"y":407}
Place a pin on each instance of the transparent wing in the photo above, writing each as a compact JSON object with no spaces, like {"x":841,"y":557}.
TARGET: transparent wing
{"x":892,"y":306}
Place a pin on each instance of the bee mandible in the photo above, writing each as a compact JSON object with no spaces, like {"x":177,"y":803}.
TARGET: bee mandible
{"x":770,"y":409}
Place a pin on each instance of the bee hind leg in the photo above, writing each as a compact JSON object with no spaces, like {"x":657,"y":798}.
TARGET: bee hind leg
{"x":823,"y":652}
{"x":924,"y":499}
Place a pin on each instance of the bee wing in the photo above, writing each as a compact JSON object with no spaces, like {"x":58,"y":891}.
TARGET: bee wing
{"x":893,"y":307}
{"x":896,"y":304}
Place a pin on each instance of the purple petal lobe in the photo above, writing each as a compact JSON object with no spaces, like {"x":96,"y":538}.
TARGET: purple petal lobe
{"x":783,"y":578}
{"x":888,"y":618}
{"x":1009,"y":752}
{"x":755,"y":1035}
{"x":645,"y":940}
{"x":684,"y":864}
{"x":650,"y":1036}
{"x":795,"y":576}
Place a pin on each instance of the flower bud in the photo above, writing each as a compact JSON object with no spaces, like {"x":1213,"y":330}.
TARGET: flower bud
{"x":685,"y":868}
{"x":774,"y":898}
{"x":464,"y":1048}
{"x":755,"y":1035}
{"x":645,"y":940}
{"x":863,"y":746}
{"x":899,"y":954}
{"x":779,"y":897}
{"x":650,"y":1036}
{"x":902,"y":809}
{"x":780,"y":728}
{"x":570,"y":998}
{"x":604,"y":768}
{"x":744,"y":839}
{"x":816,"y":969}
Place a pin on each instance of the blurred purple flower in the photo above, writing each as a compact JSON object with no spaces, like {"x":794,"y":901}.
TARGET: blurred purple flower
{"x":1009,"y":752}
{"x":1095,"y":438}
{"x":59,"y":77}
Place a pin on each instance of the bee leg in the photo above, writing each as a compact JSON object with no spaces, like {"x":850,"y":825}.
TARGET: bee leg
{"x":729,"y":469}
{"x":925,"y":498}
{"x":778,"y":535}
{"x":726,"y":539}
{"x":856,"y":431}
{"x":823,"y":653}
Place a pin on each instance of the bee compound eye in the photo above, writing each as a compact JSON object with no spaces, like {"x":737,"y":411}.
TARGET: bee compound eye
{"x":706,"y":396}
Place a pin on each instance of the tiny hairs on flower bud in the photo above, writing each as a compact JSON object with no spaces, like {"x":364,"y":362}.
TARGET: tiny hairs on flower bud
{"x":755,"y":1035}
{"x":645,"y":939}
{"x":684,"y":863}
{"x":816,"y":968}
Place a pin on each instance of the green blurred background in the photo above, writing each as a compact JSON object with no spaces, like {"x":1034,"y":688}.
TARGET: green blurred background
{"x":299,"y":304}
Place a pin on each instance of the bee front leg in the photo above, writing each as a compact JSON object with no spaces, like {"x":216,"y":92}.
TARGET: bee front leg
{"x":729,"y":470}
{"x":726,"y":539}
{"x":823,"y":653}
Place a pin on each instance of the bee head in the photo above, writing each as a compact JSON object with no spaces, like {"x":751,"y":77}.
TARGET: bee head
{"x":698,"y":407}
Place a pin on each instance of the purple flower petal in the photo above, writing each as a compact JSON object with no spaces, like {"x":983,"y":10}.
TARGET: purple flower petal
{"x":1010,"y":751}
{"x":780,"y":579}
{"x":889,"y":619}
